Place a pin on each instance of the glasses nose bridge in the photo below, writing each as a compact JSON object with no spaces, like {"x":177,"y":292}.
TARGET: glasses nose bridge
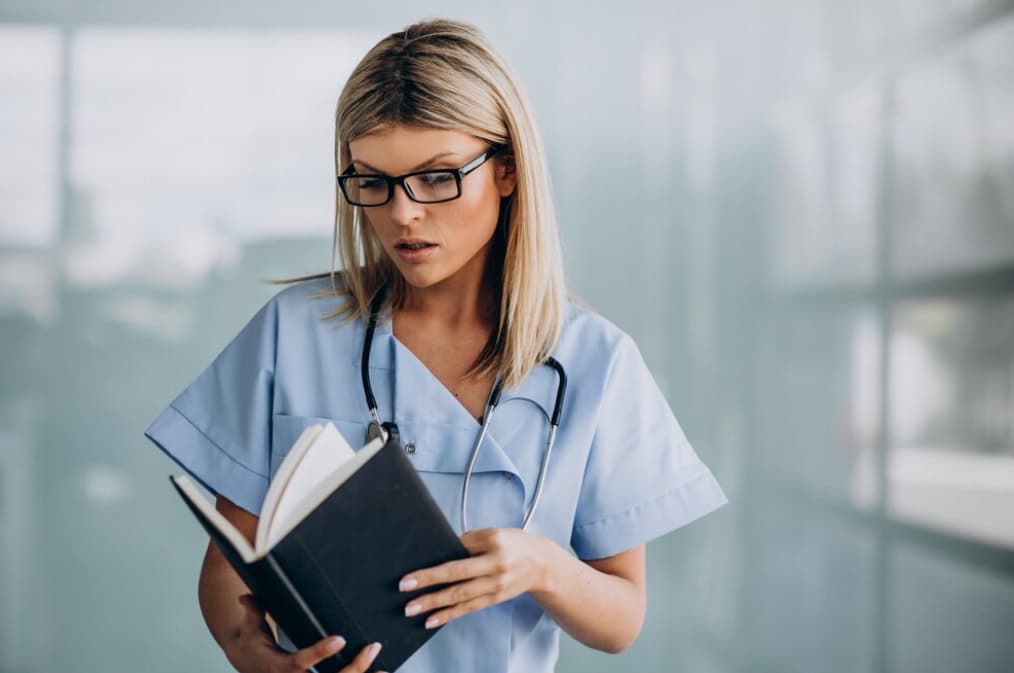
{"x":403,"y":183}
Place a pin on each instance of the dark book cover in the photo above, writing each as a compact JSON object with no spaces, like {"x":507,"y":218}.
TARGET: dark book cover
{"x":337,"y":571}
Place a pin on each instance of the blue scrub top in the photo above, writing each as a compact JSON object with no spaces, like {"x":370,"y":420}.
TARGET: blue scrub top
{"x":621,"y":473}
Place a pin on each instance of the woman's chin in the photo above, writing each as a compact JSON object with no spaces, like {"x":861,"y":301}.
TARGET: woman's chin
{"x":420,"y":277}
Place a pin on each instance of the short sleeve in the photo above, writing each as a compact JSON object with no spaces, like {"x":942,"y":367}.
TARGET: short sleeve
{"x":219,"y":428}
{"x":642,"y":478}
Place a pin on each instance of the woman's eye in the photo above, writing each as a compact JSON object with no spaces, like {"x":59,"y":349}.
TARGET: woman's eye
{"x":438,"y":178}
{"x":371,"y":184}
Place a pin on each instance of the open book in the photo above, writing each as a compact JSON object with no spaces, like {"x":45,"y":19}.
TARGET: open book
{"x":337,"y":530}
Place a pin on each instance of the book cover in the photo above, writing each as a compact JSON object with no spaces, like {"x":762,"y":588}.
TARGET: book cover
{"x":336,"y":571}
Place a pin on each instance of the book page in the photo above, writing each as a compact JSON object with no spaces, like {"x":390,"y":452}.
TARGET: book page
{"x":301,"y":499}
{"x":213,"y":516}
{"x":326,"y":453}
{"x":280,"y":481}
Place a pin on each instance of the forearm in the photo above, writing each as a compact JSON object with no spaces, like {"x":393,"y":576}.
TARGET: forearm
{"x":602,"y":611}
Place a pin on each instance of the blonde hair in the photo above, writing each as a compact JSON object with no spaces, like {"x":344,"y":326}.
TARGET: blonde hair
{"x":445,"y":74}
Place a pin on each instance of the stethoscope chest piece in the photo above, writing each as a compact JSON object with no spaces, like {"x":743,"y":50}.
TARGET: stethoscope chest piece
{"x":385,"y":431}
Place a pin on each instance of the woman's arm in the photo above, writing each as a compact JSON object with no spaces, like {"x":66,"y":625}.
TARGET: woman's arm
{"x":601,"y":603}
{"x":219,"y":587}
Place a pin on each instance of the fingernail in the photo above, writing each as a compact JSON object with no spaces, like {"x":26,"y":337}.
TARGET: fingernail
{"x":407,"y":585}
{"x":432,"y":622}
{"x":373,"y":651}
{"x":412,"y":609}
{"x":335,"y":643}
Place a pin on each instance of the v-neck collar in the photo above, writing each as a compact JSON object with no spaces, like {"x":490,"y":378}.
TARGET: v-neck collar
{"x":419,"y":394}
{"x":431,"y":417}
{"x":388,"y":353}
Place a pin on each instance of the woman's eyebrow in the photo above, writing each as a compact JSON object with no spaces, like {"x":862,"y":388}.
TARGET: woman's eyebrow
{"x":417,"y":168}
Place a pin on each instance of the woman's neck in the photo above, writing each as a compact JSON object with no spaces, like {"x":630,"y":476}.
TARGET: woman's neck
{"x":451,"y":304}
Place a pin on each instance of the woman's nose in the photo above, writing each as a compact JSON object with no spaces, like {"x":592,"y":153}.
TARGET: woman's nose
{"x":404,"y":209}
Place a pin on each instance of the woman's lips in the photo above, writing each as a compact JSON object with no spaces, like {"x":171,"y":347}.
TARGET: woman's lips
{"x":415,"y":251}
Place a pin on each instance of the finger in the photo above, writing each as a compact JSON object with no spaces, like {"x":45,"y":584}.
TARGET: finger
{"x":446,"y":573}
{"x":454,"y":594}
{"x":362,"y":662}
{"x":462,"y":609}
{"x":322,"y":649}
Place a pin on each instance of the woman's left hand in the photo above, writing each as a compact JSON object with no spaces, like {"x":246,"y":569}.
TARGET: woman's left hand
{"x":504,"y":563}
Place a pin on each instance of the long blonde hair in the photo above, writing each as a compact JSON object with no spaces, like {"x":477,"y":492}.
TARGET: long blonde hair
{"x":445,"y":74}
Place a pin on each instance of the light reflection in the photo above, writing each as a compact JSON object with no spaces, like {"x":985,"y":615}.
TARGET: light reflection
{"x":864,"y":421}
{"x":29,"y":134}
{"x":954,"y":491}
{"x":166,"y":321}
{"x":105,"y":484}
{"x":188,"y":144}
{"x":953,"y":167}
{"x":28,"y":286}
{"x":951,"y":462}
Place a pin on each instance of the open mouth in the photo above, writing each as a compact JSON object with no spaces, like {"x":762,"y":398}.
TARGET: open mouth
{"x":413,"y":245}
{"x":414,"y":251}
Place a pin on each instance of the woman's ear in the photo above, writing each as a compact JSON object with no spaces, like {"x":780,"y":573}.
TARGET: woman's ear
{"x":506,"y":175}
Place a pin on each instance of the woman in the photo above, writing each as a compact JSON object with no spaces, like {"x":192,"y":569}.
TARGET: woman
{"x":446,"y":232}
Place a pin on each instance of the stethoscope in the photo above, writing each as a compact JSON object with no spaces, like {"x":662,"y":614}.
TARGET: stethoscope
{"x":389,"y":429}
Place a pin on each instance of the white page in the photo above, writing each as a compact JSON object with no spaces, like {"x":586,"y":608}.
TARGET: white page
{"x":281,"y":481}
{"x":326,"y":454}
{"x":216,"y":518}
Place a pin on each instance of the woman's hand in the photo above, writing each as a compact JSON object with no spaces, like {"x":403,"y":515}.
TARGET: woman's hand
{"x":505,"y":562}
{"x":254,"y":650}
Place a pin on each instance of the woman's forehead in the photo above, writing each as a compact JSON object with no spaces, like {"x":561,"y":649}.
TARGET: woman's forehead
{"x":401,"y":149}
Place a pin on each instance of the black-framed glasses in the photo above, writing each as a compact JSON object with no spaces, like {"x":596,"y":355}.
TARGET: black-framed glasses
{"x":429,"y":186}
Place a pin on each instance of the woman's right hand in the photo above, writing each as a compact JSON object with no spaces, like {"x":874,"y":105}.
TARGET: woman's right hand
{"x":254,"y":649}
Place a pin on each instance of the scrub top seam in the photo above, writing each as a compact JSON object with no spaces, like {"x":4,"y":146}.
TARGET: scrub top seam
{"x":217,"y":445}
{"x":643,"y":504}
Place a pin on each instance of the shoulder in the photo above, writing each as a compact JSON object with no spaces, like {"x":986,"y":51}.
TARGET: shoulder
{"x":588,"y":337}
{"x":299,"y":315}
{"x":591,"y":346}
{"x":320,"y":296}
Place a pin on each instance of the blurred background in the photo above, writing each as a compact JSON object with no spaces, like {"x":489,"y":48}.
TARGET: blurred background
{"x":802,"y":210}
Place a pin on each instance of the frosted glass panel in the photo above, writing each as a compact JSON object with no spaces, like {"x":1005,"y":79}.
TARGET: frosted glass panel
{"x":29,"y":135}
{"x":954,"y":196}
{"x":819,"y":409}
{"x":188,"y":143}
{"x":968,"y":608}
{"x":951,"y":462}
{"x":826,"y":208}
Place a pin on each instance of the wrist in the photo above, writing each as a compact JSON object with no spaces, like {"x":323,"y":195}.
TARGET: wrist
{"x":547,"y":574}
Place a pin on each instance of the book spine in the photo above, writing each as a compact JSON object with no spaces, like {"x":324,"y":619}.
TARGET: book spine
{"x":284,"y":580}
{"x":322,"y":609}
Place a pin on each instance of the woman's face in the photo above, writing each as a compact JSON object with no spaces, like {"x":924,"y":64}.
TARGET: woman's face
{"x":430,"y":243}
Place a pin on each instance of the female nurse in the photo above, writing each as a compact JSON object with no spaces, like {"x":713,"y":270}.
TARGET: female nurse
{"x":447,"y":236}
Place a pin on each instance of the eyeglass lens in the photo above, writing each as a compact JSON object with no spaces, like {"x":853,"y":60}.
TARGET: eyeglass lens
{"x":424,"y":187}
